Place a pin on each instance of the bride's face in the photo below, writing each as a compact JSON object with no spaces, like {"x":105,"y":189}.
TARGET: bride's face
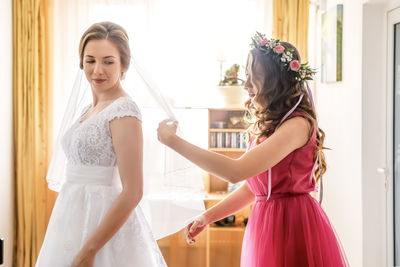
{"x":102,"y":64}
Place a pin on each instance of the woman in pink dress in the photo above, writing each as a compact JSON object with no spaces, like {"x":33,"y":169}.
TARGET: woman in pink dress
{"x":284,"y":160}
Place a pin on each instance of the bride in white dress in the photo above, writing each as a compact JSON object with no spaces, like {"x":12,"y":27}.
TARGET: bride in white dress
{"x":96,"y":220}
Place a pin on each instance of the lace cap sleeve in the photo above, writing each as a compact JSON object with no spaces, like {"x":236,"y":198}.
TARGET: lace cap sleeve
{"x":126,"y":107}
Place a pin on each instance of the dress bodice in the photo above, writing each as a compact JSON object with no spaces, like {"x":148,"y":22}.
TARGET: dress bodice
{"x":293,"y":174}
{"x":92,"y":185}
{"x":89,"y":143}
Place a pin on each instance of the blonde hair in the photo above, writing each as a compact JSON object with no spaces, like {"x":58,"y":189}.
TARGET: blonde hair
{"x":107,"y":31}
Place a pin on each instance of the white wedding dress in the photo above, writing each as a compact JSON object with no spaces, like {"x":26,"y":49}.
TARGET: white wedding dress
{"x":92,"y":184}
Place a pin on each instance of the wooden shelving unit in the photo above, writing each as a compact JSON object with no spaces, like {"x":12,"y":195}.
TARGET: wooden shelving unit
{"x":223,"y":244}
{"x":216,"y":246}
{"x":226,"y":135}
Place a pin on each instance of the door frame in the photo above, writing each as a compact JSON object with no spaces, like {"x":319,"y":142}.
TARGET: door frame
{"x":393,"y":17}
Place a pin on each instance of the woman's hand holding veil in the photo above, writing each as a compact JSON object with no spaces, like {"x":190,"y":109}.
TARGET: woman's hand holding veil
{"x":167,"y":131}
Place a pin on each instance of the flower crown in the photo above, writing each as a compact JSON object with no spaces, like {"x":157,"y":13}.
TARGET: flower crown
{"x":283,"y":57}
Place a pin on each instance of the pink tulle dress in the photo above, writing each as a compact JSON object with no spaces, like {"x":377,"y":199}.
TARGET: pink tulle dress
{"x":289,"y":229}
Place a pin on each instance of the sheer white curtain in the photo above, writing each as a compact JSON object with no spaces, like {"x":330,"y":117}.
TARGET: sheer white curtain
{"x":180,"y":41}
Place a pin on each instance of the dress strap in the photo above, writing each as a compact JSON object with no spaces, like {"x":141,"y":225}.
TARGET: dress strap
{"x":283,"y":119}
{"x":321,"y":193}
{"x":291,"y":110}
{"x":317,"y":160}
{"x":313,"y":170}
{"x":269,"y":182}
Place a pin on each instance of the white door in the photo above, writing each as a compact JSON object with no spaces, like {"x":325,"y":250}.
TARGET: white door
{"x":393,"y":139}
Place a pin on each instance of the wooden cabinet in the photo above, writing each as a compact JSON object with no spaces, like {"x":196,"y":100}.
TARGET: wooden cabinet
{"x":216,"y":246}
{"x":226,"y":135}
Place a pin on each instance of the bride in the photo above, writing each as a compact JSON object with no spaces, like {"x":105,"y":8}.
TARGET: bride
{"x":96,"y":220}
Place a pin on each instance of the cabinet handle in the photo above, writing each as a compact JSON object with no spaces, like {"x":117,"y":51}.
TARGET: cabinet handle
{"x":382,"y":170}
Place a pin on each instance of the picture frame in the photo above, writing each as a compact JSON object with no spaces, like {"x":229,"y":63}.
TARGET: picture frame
{"x":331,"y":46}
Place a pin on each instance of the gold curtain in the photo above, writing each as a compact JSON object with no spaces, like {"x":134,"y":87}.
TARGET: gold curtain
{"x":31,"y":100}
{"x":290,"y":23}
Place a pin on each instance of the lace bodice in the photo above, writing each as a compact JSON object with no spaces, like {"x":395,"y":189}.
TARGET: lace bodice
{"x":89,"y":143}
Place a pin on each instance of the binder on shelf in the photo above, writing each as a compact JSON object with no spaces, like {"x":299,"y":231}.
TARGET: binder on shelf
{"x":242,"y":140}
{"x":228,"y":140}
{"x":233,"y":139}
{"x":219,"y":139}
{"x":213,"y":142}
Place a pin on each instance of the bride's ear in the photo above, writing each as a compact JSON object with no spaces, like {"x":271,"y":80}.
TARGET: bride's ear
{"x":123,"y":73}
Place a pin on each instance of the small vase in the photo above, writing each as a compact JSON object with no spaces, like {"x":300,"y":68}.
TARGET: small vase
{"x":233,"y":96}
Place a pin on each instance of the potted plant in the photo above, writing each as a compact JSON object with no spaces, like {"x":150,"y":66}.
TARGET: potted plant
{"x":231,"y":87}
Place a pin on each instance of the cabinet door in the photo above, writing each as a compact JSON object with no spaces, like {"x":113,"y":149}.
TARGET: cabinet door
{"x":177,"y":253}
{"x":225,"y":246}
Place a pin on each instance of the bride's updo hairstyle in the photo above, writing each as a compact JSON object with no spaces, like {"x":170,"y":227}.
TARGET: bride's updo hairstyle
{"x":111,"y":32}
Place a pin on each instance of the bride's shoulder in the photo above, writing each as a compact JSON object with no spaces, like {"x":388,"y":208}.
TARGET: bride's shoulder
{"x":85,"y":109}
{"x":122,"y":107}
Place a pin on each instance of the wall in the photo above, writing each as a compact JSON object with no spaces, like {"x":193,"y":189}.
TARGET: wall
{"x":339,"y":106}
{"x":6,"y":170}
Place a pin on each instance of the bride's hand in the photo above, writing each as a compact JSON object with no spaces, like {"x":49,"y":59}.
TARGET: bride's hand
{"x":167,"y":131}
{"x":83,"y":260}
{"x":194,"y":228}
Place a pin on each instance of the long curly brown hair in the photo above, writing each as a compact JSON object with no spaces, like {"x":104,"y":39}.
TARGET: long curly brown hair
{"x":278,"y":92}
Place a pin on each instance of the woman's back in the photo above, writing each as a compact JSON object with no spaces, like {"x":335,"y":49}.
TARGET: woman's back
{"x":289,"y":228}
{"x":293,"y":174}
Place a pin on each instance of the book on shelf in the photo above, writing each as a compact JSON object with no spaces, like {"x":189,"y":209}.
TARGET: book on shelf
{"x":219,"y":139}
{"x":242,"y":140}
{"x":213,"y":141}
{"x":234,"y":140}
{"x":228,"y":140}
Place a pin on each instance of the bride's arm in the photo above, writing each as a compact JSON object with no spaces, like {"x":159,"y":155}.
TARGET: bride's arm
{"x":128,"y":145}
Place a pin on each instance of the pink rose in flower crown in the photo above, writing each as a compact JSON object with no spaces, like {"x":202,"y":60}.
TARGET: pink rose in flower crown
{"x":279,"y":49}
{"x":294,"y":65}
{"x":264,"y":42}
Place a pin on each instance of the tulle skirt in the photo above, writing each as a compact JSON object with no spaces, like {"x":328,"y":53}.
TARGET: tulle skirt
{"x":288,"y":231}
{"x":79,"y":209}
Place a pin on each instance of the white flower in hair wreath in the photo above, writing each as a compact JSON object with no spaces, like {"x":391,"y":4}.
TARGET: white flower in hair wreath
{"x":283,"y":57}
